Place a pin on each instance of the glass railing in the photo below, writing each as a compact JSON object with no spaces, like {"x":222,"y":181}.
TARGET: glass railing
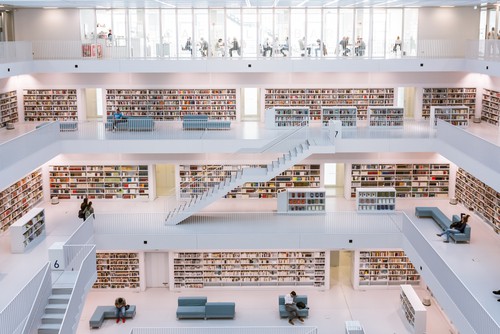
{"x":99,"y":49}
{"x":228,"y":330}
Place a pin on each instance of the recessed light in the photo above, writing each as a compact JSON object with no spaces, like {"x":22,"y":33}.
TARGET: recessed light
{"x":49,"y":7}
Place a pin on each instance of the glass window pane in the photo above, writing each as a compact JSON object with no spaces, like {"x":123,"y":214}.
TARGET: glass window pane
{"x":153,"y":40}
{"x":346,"y":23}
{"x":136,"y":31}
{"x":394,"y":31}
{"x":217,"y":37}
{"x":298,"y":33}
{"x":103,"y":25}
{"x":330,"y":32}
{"x":362,"y":32}
{"x":266,"y":33}
{"x":169,"y":33}
{"x":313,"y":38}
{"x":249,"y":40}
{"x":282,"y":30}
{"x":233,"y":31}
{"x":87,"y":25}
{"x":201,"y":35}
{"x":378,"y":44}
{"x":120,"y":29}
{"x":410,"y":31}
{"x":185,"y":33}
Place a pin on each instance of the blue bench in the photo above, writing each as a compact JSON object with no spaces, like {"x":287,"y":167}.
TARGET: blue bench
{"x":108,"y":312}
{"x":68,"y":126}
{"x":202,"y":122}
{"x":199,"y":308}
{"x":443,"y":221}
{"x":299,"y":298}
{"x":132,"y":123}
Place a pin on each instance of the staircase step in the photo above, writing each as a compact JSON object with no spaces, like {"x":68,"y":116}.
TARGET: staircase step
{"x":52,"y":318}
{"x":49,"y":329}
{"x":62,"y":291}
{"x":55,"y":308}
{"x":59,"y":299}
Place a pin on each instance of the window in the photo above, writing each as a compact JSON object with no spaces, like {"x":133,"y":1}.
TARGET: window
{"x":169,"y":32}
{"x":249,"y":40}
{"x":298,"y":33}
{"x":185,"y":32}
{"x":153,"y":40}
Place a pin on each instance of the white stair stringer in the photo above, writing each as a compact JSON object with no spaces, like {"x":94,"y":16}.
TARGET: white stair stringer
{"x":247,"y":174}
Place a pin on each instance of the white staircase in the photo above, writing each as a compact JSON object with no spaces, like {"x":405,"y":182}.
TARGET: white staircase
{"x":55,"y":310}
{"x":248,"y":174}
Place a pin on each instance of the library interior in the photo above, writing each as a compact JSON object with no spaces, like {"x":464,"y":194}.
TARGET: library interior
{"x":202,"y":160}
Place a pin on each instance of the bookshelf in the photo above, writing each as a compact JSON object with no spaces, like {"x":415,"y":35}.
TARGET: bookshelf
{"x":250,"y":269}
{"x":347,"y":115}
{"x":8,"y":108}
{"x":383,"y":268}
{"x":50,"y":105}
{"x":315,"y":98}
{"x":412,"y":310}
{"x":195,"y":179}
{"x":456,"y":97}
{"x":387,"y":117}
{"x":475,"y":194}
{"x":301,"y":201}
{"x":99,"y":181}
{"x":19,"y":198}
{"x":458,"y":116}
{"x":409,"y":180}
{"x":117,"y":270}
{"x":375,"y":199}
{"x":172,"y":104}
{"x":27,"y":231}
{"x":490,"y":109}
{"x":280,"y":117}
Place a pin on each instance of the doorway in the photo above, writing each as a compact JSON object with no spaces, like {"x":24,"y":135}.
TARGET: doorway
{"x":165,"y":180}
{"x":93,"y":104}
{"x":334,"y":179}
{"x":156,"y":269}
{"x":341,"y":268}
{"x":250,"y":110}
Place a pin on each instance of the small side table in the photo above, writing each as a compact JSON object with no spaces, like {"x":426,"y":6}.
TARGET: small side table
{"x":353,"y":327}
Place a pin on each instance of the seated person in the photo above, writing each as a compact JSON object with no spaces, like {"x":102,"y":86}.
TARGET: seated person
{"x":285,"y":47}
{"x":121,"y":308}
{"x":118,"y":118}
{"x":188,"y":46}
{"x":220,"y":49}
{"x":267,"y":47}
{"x":291,"y":308}
{"x":302,"y":46}
{"x":234,"y":47}
{"x":455,"y":227}
{"x":360,"y":47}
{"x":203,"y":47}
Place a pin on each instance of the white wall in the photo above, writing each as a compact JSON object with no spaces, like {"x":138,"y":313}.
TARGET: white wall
{"x":460,"y":23}
{"x":47,"y":24}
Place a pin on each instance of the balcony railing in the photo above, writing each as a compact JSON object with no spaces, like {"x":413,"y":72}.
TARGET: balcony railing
{"x":99,"y":49}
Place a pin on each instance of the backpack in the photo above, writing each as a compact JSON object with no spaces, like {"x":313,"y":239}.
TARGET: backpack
{"x":81,"y":214}
{"x":301,"y":305}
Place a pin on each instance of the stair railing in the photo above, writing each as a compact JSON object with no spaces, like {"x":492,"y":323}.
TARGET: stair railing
{"x":40,"y":300}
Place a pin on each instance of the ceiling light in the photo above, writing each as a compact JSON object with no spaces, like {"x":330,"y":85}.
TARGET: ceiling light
{"x":302,"y":3}
{"x":248,"y":3}
{"x":331,"y":3}
{"x":49,"y":7}
{"x":2,"y":6}
{"x":447,"y":6}
{"x":275,"y":4}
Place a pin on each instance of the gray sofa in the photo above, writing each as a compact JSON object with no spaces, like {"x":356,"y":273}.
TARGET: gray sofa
{"x":199,"y":308}
{"x":202,"y":122}
{"x":108,"y":312}
{"x":443,"y":221}
{"x":299,"y":298}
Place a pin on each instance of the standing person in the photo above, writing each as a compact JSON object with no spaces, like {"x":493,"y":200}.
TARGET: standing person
{"x":120,"y":305}
{"x":491,"y":36}
{"x":110,"y":38}
{"x":291,"y":308}
{"x":89,"y":211}
{"x":83,"y":206}
{"x":397,"y":44}
{"x":344,"y":43}
{"x":318,"y":48}
{"x":455,"y":227}
{"x":234,"y":47}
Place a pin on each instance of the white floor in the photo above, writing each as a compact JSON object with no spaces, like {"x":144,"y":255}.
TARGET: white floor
{"x":376,"y":309}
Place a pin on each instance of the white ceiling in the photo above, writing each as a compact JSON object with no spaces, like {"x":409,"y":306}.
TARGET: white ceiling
{"x":235,"y":3}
